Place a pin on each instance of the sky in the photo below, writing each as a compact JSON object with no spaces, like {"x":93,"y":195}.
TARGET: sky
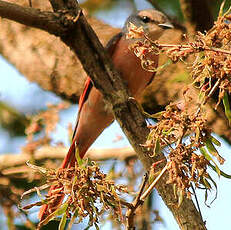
{"x":17,"y":92}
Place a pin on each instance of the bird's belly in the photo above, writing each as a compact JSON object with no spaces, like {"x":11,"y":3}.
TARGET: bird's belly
{"x":131,"y":70}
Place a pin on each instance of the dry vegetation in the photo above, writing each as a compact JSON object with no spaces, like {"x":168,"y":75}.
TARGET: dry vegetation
{"x":181,"y":131}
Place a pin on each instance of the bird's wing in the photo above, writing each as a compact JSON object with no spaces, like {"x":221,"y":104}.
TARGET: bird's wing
{"x":110,"y":47}
{"x":87,"y":88}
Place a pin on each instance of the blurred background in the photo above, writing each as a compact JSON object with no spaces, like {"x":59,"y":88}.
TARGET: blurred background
{"x":23,"y":94}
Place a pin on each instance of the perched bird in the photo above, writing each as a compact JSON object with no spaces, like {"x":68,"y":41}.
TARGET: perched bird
{"x":93,"y":115}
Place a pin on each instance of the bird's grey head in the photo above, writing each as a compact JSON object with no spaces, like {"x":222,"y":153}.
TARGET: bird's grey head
{"x":153,"y":22}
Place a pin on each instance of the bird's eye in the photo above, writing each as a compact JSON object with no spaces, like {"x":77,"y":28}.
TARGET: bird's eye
{"x":146,"y":19}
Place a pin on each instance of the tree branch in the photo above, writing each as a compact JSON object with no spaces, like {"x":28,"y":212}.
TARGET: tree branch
{"x":58,"y":153}
{"x":198,"y":13}
{"x":48,"y":21}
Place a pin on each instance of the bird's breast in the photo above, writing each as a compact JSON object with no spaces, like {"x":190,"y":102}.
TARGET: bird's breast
{"x":129,"y":66}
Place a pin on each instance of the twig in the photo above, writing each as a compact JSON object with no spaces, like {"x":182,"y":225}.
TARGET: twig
{"x":153,"y":184}
{"x":135,"y":204}
{"x":141,"y":198}
{"x":188,"y":46}
{"x":29,"y":16}
{"x":30,"y":3}
{"x":198,"y":206}
{"x":212,"y":91}
{"x":12,"y":163}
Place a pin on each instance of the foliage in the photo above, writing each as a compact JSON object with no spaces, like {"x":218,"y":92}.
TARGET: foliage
{"x":211,"y":71}
{"x":89,"y":193}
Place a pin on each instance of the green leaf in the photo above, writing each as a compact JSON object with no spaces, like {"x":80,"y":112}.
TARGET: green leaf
{"x":209,"y":145}
{"x":150,"y":135}
{"x":215,"y":185}
{"x":167,"y":132}
{"x":227,"y":107}
{"x":209,"y":158}
{"x":78,"y":158}
{"x":153,"y":175}
{"x":57,"y":212}
{"x":181,"y":77}
{"x":161,"y":67}
{"x":221,"y":11}
{"x":157,"y":148}
{"x":206,"y":197}
{"x":96,"y":226}
{"x":63,"y":222}
{"x":61,"y":210}
{"x":206,"y":183}
{"x":73,"y":219}
{"x":215,"y":141}
{"x":221,"y":172}
{"x":154,"y":116}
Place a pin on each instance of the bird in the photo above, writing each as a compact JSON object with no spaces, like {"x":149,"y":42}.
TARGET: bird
{"x":93,"y":115}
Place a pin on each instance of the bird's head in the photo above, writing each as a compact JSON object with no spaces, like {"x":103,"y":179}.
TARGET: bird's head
{"x":153,"y":22}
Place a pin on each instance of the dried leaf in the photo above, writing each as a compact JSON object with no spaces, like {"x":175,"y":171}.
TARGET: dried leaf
{"x":35,"y":189}
{"x":37,"y":168}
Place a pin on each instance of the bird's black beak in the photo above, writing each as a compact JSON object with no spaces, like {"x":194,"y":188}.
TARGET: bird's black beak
{"x":166,"y":25}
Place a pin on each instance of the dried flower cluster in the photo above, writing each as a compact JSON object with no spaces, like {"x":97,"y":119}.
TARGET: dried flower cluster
{"x":185,"y":164}
{"x":88,"y":194}
{"x":211,"y":68}
{"x":211,"y":71}
{"x":44,"y":121}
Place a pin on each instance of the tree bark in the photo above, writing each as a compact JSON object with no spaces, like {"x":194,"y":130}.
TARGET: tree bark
{"x":46,"y":60}
{"x":198,"y":13}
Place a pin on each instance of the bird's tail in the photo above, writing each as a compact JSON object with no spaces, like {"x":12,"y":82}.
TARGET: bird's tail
{"x":68,"y":162}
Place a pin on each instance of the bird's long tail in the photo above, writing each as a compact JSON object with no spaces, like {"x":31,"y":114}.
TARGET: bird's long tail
{"x":68,"y":162}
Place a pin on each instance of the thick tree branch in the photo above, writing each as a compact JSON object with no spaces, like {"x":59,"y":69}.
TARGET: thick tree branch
{"x":55,"y":65}
{"x":198,"y":13}
{"x":48,"y":21}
